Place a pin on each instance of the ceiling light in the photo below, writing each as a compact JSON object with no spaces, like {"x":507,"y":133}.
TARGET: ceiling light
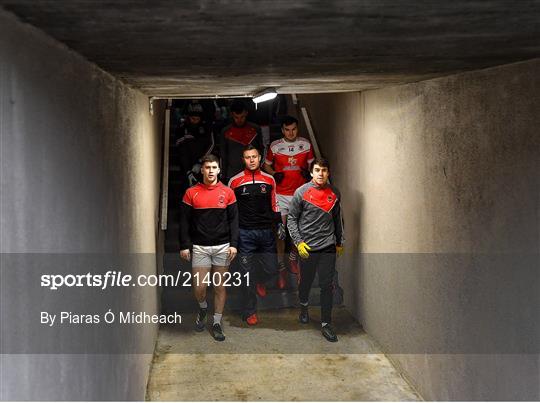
{"x":264,"y":95}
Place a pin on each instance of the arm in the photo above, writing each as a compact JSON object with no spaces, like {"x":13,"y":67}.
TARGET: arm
{"x":232,"y":216}
{"x":185,"y":219}
{"x":295,"y":211}
{"x":224,"y":151}
{"x":209,"y":141}
{"x":338,"y":223}
{"x":258,"y":142}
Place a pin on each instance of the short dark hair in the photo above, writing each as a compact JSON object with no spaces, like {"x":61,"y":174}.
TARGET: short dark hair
{"x":322,"y":162}
{"x":238,"y":106}
{"x":209,"y":158}
{"x":288,"y":120}
{"x":250,"y":147}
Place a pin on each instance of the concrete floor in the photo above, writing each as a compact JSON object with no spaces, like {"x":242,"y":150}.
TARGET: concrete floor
{"x":277,"y":360}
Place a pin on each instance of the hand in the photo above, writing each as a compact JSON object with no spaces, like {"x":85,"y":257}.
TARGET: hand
{"x":281,"y":231}
{"x":339,"y":250}
{"x":278,"y":176}
{"x":306,"y":174}
{"x":196,"y":168}
{"x":303,"y":249}
{"x":185,"y":254}
{"x":232,"y":253}
{"x":192,"y":180}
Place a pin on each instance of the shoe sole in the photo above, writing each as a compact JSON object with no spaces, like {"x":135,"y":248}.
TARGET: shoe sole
{"x":219,"y":338}
{"x":200,"y":327}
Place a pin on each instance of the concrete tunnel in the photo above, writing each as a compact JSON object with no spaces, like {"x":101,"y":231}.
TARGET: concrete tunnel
{"x":429,"y":115}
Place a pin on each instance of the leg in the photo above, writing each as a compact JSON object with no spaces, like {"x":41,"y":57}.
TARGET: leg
{"x":281,"y":244}
{"x":308,"y":270}
{"x":199,"y":288}
{"x":202,"y":264}
{"x":267,"y":254}
{"x":326,"y":268}
{"x":220,"y":291}
{"x":246,"y":248}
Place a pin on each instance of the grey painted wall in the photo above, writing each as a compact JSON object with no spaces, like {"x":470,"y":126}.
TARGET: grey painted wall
{"x":441,"y":191}
{"x":80,"y":176}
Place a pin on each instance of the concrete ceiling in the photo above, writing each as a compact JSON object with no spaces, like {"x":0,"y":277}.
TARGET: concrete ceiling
{"x":188,"y":48}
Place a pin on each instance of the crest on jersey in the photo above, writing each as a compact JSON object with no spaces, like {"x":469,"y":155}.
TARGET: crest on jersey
{"x":301,"y":147}
{"x":292,"y":161}
{"x":330,"y":199}
{"x":244,"y":190}
{"x":263,"y":188}
{"x":221,"y":199}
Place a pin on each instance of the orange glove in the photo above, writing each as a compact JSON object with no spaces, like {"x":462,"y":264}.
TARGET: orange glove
{"x":339,"y":250}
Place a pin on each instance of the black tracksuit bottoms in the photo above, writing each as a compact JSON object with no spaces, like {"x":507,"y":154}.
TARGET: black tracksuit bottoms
{"x":323,"y":263}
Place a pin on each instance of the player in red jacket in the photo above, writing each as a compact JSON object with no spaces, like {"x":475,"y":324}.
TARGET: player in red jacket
{"x":209,"y":238}
{"x":288,"y":161}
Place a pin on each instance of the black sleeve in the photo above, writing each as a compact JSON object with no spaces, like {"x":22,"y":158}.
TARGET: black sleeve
{"x":338,"y":223}
{"x":185,"y":220}
{"x":232,"y":215}
{"x":224,"y":151}
{"x":258,"y":143}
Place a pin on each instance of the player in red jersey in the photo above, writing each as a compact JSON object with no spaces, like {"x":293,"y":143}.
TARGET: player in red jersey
{"x":288,"y":161}
{"x":209,"y":238}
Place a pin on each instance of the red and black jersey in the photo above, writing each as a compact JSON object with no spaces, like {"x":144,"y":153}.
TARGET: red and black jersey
{"x":256,"y":195}
{"x":233,"y":140}
{"x":209,"y":216}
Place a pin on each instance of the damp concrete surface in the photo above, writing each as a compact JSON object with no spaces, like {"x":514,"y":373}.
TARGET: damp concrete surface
{"x":279,"y":359}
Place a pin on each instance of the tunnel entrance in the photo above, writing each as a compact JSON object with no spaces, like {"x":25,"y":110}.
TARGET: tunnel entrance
{"x":184,"y":153}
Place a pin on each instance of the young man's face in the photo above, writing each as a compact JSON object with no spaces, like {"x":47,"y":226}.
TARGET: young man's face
{"x":252,"y":159}
{"x":239,"y":119}
{"x":210,"y":171}
{"x":320,"y":175}
{"x":290,"y":132}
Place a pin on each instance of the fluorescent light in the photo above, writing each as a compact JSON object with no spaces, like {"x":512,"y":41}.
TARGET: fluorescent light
{"x":265,"y":95}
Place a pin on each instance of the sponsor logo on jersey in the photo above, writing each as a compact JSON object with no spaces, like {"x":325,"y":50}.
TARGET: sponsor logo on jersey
{"x":292,"y":161}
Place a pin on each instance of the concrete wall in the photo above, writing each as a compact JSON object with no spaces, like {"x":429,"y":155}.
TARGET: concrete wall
{"x":441,"y":191}
{"x":81,"y":160}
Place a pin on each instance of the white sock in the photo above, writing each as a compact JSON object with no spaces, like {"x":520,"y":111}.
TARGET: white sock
{"x":323,"y":324}
{"x":203,"y":305}
{"x":304,"y":303}
{"x":217,"y":317}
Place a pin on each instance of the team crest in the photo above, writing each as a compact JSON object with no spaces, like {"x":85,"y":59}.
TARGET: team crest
{"x":301,"y":147}
{"x":330,"y":199}
{"x":263,"y":188}
{"x":221,"y":199}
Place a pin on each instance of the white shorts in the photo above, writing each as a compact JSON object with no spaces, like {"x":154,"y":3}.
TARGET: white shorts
{"x":207,"y":256}
{"x":283,"y":203}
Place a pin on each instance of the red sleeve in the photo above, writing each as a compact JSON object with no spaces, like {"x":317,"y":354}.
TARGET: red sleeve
{"x":275,"y":205}
{"x":269,"y":156}
{"x":187,"y":198}
{"x":310,"y":157}
{"x":232,"y":197}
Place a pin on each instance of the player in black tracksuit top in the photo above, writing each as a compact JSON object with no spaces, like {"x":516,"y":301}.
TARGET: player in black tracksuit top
{"x":255,"y":193}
